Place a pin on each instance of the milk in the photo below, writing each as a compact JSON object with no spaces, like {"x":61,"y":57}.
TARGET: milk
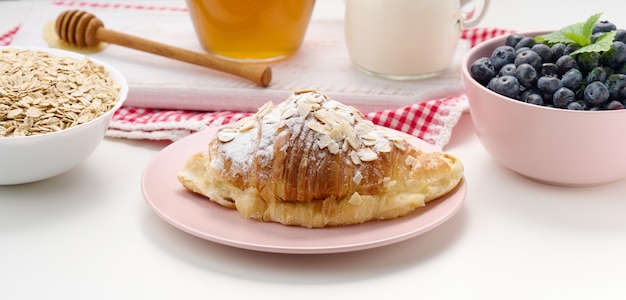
{"x":403,"y":39}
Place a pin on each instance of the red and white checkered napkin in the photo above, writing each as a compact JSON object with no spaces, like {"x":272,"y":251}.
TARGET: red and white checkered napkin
{"x":431,"y":120}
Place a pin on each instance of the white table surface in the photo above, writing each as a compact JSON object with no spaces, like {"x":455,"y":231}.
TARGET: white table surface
{"x":89,"y":234}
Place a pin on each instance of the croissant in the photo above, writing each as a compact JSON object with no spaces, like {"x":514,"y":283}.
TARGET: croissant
{"x":312,"y":161}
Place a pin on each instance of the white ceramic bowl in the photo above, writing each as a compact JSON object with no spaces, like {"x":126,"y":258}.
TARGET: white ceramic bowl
{"x":550,"y":145}
{"x":37,"y":157}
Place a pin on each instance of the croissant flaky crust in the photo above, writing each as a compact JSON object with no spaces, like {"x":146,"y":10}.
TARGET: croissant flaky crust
{"x":313,"y":162}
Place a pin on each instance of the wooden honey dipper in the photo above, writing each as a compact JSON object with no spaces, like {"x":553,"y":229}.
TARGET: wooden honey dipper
{"x":82,"y":29}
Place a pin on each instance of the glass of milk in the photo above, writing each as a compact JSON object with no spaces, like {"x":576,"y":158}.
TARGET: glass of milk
{"x":407,"y":39}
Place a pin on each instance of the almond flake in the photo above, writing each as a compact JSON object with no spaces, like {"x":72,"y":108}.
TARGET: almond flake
{"x":246,"y":124}
{"x":354,"y":157}
{"x":333,"y":147}
{"x":369,"y":137}
{"x":353,"y":142}
{"x":263,"y":110}
{"x":335,"y":134}
{"x":394,"y":138}
{"x":345,"y":146}
{"x":304,"y":108}
{"x":383,"y":147}
{"x":410,"y":160}
{"x":317,"y":127}
{"x":341,"y":116}
{"x":367,"y":154}
{"x":226,"y":135}
{"x":357,"y":177}
{"x":323,"y":141}
{"x":304,"y":91}
{"x":387,"y":182}
{"x":369,"y":143}
{"x":287,"y":113}
{"x":323,"y":116}
{"x":400,"y":145}
{"x":355,"y":199}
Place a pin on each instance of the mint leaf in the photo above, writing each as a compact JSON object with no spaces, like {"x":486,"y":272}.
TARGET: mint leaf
{"x":578,"y":34}
{"x":577,"y":39}
{"x":602,"y":43}
{"x":587,"y":29}
{"x":607,"y":38}
{"x":561,"y":36}
{"x":553,"y":38}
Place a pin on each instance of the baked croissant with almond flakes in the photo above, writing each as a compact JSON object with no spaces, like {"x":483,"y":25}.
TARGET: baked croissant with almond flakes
{"x":311,"y":161}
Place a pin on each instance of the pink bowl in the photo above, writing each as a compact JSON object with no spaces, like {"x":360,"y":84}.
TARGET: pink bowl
{"x":549,"y":145}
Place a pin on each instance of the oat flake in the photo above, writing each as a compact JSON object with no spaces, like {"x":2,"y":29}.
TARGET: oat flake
{"x":41,"y":93}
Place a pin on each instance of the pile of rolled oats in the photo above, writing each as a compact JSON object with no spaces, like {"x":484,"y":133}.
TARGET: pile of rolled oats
{"x":41,"y":93}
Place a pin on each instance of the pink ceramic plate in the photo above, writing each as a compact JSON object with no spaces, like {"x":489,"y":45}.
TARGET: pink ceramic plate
{"x":198,"y":216}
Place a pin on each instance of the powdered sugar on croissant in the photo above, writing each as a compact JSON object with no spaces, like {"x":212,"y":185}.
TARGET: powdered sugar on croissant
{"x":312,"y":161}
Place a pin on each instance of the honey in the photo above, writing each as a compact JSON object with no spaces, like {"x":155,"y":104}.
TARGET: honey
{"x":53,"y":41}
{"x":251,"y":30}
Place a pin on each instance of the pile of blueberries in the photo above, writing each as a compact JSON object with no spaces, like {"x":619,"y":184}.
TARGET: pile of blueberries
{"x":540,"y":74}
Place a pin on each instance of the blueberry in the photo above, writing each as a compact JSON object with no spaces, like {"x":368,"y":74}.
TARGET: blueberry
{"x":507,"y":86}
{"x":501,"y":56}
{"x":597,"y":74}
{"x":576,"y":106}
{"x":603,"y":26}
{"x":620,"y":35}
{"x":580,"y":92}
{"x":544,"y":51}
{"x":482,"y":70}
{"x":614,"y":105}
{"x":534,"y":98}
{"x":549,"y":69}
{"x":615,"y":56}
{"x":596,"y":93}
{"x":563,"y":97}
{"x":526,"y":75}
{"x":566,"y":63}
{"x":548,"y":84}
{"x":616,"y":84}
{"x":492,"y":82}
{"x":547,"y":99}
{"x":596,"y":35}
{"x":525,"y":42}
{"x":572,"y":79}
{"x":508,"y":69}
{"x":621,"y":70}
{"x":569,"y":48}
{"x":586,"y":61}
{"x":513,"y":39}
{"x":558,"y":50}
{"x":528,"y":57}
{"x":527,"y":92}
